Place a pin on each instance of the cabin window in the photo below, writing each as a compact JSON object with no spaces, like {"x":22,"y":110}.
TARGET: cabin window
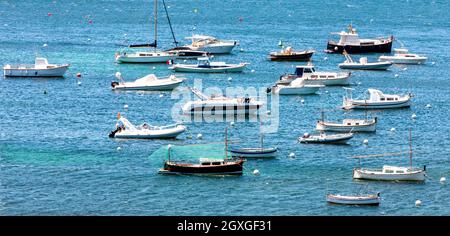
{"x":357,"y":123}
{"x":396,"y":99}
{"x":349,"y":123}
{"x":389,"y":171}
{"x":206,"y":163}
{"x":216,"y":163}
{"x":382,"y":99}
{"x":400,"y":172}
{"x":390,"y":99}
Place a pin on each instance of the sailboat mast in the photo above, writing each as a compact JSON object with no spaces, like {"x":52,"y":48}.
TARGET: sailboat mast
{"x":261,"y":136}
{"x":226,"y":142}
{"x":410,"y":149}
{"x":156,"y":23}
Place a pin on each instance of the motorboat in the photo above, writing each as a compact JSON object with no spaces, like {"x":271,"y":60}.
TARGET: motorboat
{"x":204,"y":65}
{"x":391,"y":173}
{"x":211,"y":44}
{"x":363,"y":64}
{"x":126,"y":130}
{"x":288,"y":54}
{"x":215,"y":105}
{"x":296,"y":87}
{"x":254,"y":152}
{"x":348,"y":125}
{"x":376,"y":100}
{"x":187,"y":53}
{"x":149,"y":83}
{"x":326,"y":138}
{"x":40,"y":68}
{"x":309,"y":74}
{"x":205,"y":166}
{"x":402,"y":56}
{"x":368,"y":199}
{"x":352,"y":44}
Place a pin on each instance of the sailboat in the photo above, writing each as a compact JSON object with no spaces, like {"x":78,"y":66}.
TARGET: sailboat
{"x":258,"y":152}
{"x":391,"y":173}
{"x":156,"y":56}
{"x":205,"y":166}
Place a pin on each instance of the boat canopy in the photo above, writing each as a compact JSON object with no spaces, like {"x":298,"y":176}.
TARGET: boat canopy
{"x":127,"y":124}
{"x":299,"y":70}
{"x":375,"y":95}
{"x":41,"y":62}
{"x":147,"y":78}
{"x":401,"y":51}
{"x":198,"y":37}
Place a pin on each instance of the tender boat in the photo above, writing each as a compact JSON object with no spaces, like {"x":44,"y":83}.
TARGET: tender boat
{"x":126,"y":130}
{"x":205,"y":166}
{"x":370,"y":199}
{"x":255,"y":152}
{"x":216,"y":105}
{"x":41,"y":68}
{"x":204,"y":65}
{"x":211,"y":45}
{"x":326,"y":138}
{"x":288,"y":54}
{"x":391,"y":173}
{"x":296,"y":87}
{"x":156,"y":56}
{"x":350,"y":42}
{"x":402,"y":56}
{"x":149,"y":83}
{"x":308,"y":73}
{"x":376,"y":100}
{"x":363,"y":64}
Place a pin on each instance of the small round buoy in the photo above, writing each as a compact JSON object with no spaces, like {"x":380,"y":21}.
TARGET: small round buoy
{"x":432,"y":63}
{"x":45,"y":45}
{"x":45,"y":91}
{"x":418,"y":203}
{"x":253,"y":71}
{"x":119,"y":148}
{"x":336,"y":48}
{"x":291,"y":155}
{"x":268,"y":112}
{"x":194,"y":28}
{"x":256,"y":172}
{"x":359,"y":83}
{"x":392,"y":129}
{"x":414,"y":116}
{"x":230,"y":79}
{"x":199,"y":136}
{"x":88,"y":39}
{"x":161,"y":95}
{"x":325,"y":58}
{"x":396,"y":75}
{"x":428,"y":106}
{"x":184,"y":60}
{"x":79,"y":83}
{"x":442,"y":180}
{"x":302,"y":101}
{"x":78,"y":74}
{"x":326,"y":91}
{"x":125,"y":106}
{"x":154,"y":68}
{"x":241,"y":50}
{"x":49,"y":14}
{"x":232,"y":123}
{"x":366,"y":141}
{"x":404,"y":68}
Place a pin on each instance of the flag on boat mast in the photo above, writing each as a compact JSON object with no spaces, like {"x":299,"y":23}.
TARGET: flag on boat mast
{"x":169,"y":62}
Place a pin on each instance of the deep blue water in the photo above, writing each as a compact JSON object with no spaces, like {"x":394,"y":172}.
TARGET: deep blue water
{"x":56,"y":158}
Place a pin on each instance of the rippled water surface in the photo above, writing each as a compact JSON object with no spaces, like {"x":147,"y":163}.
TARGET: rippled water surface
{"x":56,"y":157}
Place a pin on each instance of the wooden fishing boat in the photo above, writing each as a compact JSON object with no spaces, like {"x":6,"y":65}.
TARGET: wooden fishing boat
{"x":205,"y":166}
{"x":347,"y":125}
{"x":376,"y":100}
{"x":312,"y":77}
{"x":370,"y":199}
{"x":255,"y":152}
{"x":352,"y":44}
{"x":326,"y":138}
{"x":40,"y":68}
{"x":288,"y":54}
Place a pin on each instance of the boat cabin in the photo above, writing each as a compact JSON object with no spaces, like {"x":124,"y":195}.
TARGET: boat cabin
{"x":401,"y":51}
{"x":300,"y":70}
{"x":211,"y":162}
{"x":203,"y":62}
{"x":395,"y":170}
{"x":41,"y":63}
{"x":377,"y":95}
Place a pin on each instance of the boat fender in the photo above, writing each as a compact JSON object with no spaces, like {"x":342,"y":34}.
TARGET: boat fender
{"x":114,"y":84}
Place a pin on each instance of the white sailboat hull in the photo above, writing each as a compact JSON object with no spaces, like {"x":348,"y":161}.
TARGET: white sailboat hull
{"x":253,"y":152}
{"x":335,"y":127}
{"x":135,"y":58}
{"x":34,"y":72}
{"x":359,"y":173}
{"x":353,"y":200}
{"x":384,"y":65}
{"x":329,"y":139}
{"x":354,"y":104}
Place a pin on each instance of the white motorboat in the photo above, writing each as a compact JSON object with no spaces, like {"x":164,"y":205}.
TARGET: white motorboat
{"x":402,"y":56}
{"x":296,"y":87}
{"x":211,"y":45}
{"x":216,"y":105}
{"x":363,"y":64}
{"x":254,"y":152}
{"x":391,"y":173}
{"x":311,"y":77}
{"x":376,"y":100}
{"x":348,"y":125}
{"x":126,"y":130}
{"x":369,"y":199}
{"x":41,"y":68}
{"x":326,"y":138}
{"x":204,"y":65}
{"x":149,"y":82}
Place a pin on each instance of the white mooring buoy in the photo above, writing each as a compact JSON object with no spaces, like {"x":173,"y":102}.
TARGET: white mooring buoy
{"x":125,"y":106}
{"x":256,"y":172}
{"x":366,"y":141}
{"x":428,"y":105}
{"x":418,"y":203}
{"x":414,"y":116}
{"x":291,"y":155}
{"x":392,"y":129}
{"x":442,"y":180}
{"x":199,"y":136}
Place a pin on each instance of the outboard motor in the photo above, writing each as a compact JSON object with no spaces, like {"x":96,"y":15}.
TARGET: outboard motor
{"x":113,"y":133}
{"x":114,"y":84}
{"x":268,"y":89}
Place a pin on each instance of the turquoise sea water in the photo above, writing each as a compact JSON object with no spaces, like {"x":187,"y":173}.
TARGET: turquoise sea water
{"x":56,"y":157}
